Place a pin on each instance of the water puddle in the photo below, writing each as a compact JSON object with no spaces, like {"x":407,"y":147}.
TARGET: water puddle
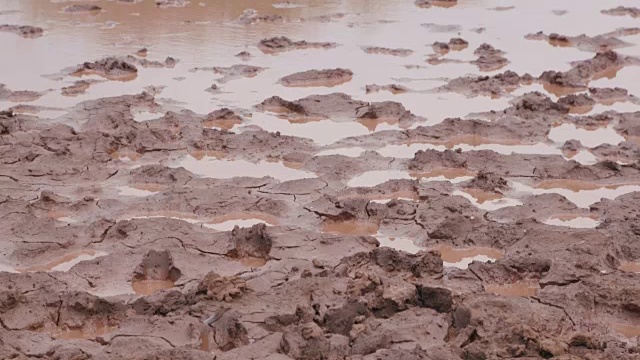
{"x":377,"y":177}
{"x":632,"y":267}
{"x":142,"y":116}
{"x":461,"y":257}
{"x":225,"y":169}
{"x":66,"y":262}
{"x":135,"y":191}
{"x":88,"y":331}
{"x":350,"y":227}
{"x":346,"y":151}
{"x":517,"y":289}
{"x":229,"y":221}
{"x":399,"y":243}
{"x":407,"y":151}
{"x":581,"y":193}
{"x":627,"y":330}
{"x":485,"y":200}
{"x":574,"y":221}
{"x":222,"y":223}
{"x":588,"y":138}
{"x":148,"y":287}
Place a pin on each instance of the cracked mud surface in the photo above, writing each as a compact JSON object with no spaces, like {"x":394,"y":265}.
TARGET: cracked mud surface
{"x":306,"y":184}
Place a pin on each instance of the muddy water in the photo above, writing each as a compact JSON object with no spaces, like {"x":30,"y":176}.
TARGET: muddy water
{"x":225,"y":169}
{"x":148,"y":287}
{"x":632,"y":267}
{"x":350,"y":227}
{"x":123,"y":29}
{"x":90,"y":330}
{"x":574,"y":221}
{"x":581,"y":193}
{"x":64,"y":263}
{"x":462,"y":257}
{"x":487,"y":200}
{"x":518,"y":289}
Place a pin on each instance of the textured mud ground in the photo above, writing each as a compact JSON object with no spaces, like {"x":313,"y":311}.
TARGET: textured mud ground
{"x":311,"y":185}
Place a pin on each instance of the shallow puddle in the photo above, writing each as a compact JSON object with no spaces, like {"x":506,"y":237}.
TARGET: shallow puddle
{"x":148,"y":287}
{"x":632,"y":267}
{"x":373,"y":178}
{"x":461,"y":257}
{"x":399,"y":243}
{"x":574,"y":221}
{"x":470,"y":143}
{"x":517,"y":289}
{"x":89,"y":331}
{"x":488,"y":201}
{"x":134,"y":191}
{"x":581,"y":193}
{"x":66,"y":262}
{"x":351,"y":227}
{"x":229,"y":221}
{"x":226,"y":169}
{"x":629,"y":331}
{"x":588,"y":138}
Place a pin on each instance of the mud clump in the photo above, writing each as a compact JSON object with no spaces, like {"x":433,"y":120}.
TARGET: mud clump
{"x":157,"y":265}
{"x":18,"y":95}
{"x":387,"y":51}
{"x":251,"y":16}
{"x":222,"y":288}
{"x":111,"y":68}
{"x":171,"y":3}
{"x":26,"y":31}
{"x":326,"y":78}
{"x":392,"y":88}
{"x":494,"y":86}
{"x":81,"y":8}
{"x":236,"y":72}
{"x":224,"y":118}
{"x":254,"y":242}
{"x":623,"y":11}
{"x":280,"y":44}
{"x":488,"y":182}
{"x":77,"y":88}
{"x":437,"y":3}
{"x":489,"y":58}
{"x":597,"y":43}
{"x":603,"y":64}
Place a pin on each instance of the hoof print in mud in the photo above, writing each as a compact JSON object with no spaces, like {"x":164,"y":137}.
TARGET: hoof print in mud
{"x":155,"y":272}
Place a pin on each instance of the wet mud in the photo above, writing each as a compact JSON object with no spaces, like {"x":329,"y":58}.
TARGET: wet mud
{"x":484,"y":208}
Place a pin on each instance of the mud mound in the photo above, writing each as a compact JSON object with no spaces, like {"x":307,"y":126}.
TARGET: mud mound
{"x":26,"y":31}
{"x":280,"y":44}
{"x":327,"y":78}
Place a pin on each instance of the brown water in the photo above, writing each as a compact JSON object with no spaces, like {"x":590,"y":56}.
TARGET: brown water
{"x":632,"y":267}
{"x":148,"y":287}
{"x":517,"y":289}
{"x":90,"y":330}
{"x":351,"y":227}
{"x":630,"y":331}
{"x":206,"y":33}
{"x":65,"y":262}
{"x":462,"y":257}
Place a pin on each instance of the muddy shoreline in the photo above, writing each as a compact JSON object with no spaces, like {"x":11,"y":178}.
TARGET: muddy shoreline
{"x":134,"y":226}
